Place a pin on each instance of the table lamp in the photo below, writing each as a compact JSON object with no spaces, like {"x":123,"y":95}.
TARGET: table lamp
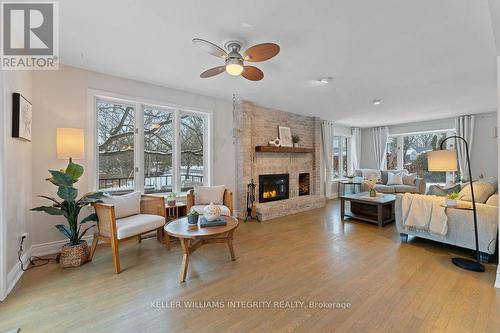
{"x":70,"y":143}
{"x":446,"y":160}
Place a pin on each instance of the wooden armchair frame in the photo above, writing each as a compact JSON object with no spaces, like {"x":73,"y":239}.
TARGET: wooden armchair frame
{"x":226,"y":201}
{"x":150,"y":204}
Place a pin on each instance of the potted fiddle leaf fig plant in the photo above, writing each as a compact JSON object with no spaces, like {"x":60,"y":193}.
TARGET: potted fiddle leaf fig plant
{"x":76,"y":251}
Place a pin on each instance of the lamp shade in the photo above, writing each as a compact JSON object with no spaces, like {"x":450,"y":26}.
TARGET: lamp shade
{"x":442,"y":160}
{"x":70,"y":143}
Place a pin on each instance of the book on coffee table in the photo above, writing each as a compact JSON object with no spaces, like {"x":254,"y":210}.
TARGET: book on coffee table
{"x":215,"y":223}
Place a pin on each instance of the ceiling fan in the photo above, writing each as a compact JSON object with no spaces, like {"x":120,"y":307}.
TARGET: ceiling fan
{"x":234,"y":61}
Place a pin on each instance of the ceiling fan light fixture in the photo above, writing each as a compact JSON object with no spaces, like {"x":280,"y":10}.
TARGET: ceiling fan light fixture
{"x":234,"y":66}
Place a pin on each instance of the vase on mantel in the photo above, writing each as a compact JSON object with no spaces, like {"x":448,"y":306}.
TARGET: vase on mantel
{"x":296,"y":145}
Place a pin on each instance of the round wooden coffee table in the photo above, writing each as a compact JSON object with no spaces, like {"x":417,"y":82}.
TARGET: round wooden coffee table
{"x":192,"y":237}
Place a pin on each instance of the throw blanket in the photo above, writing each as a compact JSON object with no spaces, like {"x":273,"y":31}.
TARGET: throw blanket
{"x":424,"y":213}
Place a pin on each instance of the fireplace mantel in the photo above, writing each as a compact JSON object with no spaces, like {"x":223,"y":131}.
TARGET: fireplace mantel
{"x":273,"y":149}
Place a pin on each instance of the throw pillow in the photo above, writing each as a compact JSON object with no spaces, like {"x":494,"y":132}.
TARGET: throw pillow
{"x":204,"y":195}
{"x":394,"y":179}
{"x":409,"y":179}
{"x":482,"y":191}
{"x":384,"y":177}
{"x":443,"y":192}
{"x":493,"y":200}
{"x":125,"y":205}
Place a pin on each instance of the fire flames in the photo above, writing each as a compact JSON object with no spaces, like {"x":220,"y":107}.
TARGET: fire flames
{"x":269,"y":194}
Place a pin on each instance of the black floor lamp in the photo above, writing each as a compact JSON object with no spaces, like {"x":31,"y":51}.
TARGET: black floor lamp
{"x":446,"y":160}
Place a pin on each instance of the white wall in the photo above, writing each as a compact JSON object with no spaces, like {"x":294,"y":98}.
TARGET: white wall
{"x":16,"y":175}
{"x":60,"y":99}
{"x":484,"y":150}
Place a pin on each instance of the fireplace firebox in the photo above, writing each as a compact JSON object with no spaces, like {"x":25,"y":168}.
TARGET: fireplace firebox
{"x":273,"y":187}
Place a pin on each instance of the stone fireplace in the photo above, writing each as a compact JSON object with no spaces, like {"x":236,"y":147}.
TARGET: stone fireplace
{"x":273,"y":187}
{"x":255,"y":126}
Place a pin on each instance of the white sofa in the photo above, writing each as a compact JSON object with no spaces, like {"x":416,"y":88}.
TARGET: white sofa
{"x":461,"y":227}
{"x":417,"y":187}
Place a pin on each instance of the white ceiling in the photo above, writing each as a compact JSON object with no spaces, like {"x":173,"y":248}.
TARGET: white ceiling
{"x":426,"y":59}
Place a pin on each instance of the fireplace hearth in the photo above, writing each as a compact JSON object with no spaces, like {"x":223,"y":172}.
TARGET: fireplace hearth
{"x":273,"y":187}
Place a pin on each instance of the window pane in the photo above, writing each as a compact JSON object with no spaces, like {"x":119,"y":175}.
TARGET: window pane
{"x":192,"y":141}
{"x":392,"y":153}
{"x":158,"y":148}
{"x":415,"y":148}
{"x":336,"y":157}
{"x":115,"y":138}
{"x":344,"y":157}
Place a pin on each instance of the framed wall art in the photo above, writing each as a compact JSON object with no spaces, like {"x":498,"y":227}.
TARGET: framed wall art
{"x":285,"y":135}
{"x":22,"y":116}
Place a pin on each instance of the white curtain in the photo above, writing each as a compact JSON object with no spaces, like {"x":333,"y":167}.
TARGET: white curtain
{"x":327,"y":142}
{"x":380,"y":136}
{"x":464,"y":126}
{"x":355,"y":150}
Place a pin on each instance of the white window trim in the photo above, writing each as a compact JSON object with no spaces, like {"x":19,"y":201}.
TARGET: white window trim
{"x":91,"y":136}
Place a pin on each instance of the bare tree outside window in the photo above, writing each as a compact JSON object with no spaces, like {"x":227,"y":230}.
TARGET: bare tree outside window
{"x":116,"y":133}
{"x":192,"y":134}
{"x":115,"y":138}
{"x":158,"y":150}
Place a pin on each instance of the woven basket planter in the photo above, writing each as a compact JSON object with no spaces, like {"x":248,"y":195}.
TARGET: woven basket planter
{"x":74,"y":255}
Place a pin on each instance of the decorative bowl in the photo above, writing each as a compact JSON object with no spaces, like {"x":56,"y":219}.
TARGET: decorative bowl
{"x":212,"y":212}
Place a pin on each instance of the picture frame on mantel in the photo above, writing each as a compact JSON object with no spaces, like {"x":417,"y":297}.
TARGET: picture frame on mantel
{"x":22,"y":116}
{"x":285,"y":135}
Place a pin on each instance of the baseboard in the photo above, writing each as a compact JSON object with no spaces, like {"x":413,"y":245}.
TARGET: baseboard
{"x":16,"y":272}
{"x":42,"y":249}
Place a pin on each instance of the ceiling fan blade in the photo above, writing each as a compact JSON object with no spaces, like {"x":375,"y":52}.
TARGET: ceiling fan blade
{"x":210,"y":48}
{"x":261,"y":52}
{"x":252,"y":73}
{"x":212,"y":72}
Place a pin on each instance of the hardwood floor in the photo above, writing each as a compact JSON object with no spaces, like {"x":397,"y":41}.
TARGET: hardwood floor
{"x":311,"y":256}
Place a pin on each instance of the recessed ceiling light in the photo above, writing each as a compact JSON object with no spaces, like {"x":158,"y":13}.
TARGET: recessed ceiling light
{"x":377,"y":101}
{"x":325,"y":80}
{"x":246,"y":25}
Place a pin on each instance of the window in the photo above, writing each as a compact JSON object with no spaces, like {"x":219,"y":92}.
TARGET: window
{"x":168,"y":153}
{"x":409,"y":152}
{"x":340,"y":156}
{"x":115,"y":139}
{"x":158,"y":150}
{"x":392,"y":153}
{"x":192,"y":143}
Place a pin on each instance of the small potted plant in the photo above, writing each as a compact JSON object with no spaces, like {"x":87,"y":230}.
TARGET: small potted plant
{"x":76,"y":251}
{"x":171,"y":198}
{"x":192,"y":216}
{"x":452,"y":199}
{"x":295,"y":140}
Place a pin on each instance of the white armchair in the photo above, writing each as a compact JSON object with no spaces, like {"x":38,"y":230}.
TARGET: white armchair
{"x":124,"y":217}
{"x":201,"y":196}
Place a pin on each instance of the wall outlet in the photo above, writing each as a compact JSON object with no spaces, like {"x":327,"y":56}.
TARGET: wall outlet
{"x":23,"y":238}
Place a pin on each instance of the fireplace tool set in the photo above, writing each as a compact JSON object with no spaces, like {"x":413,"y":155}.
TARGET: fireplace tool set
{"x":251,"y":209}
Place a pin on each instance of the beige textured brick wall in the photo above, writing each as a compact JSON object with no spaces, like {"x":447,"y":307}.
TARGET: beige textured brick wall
{"x":257,"y":126}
